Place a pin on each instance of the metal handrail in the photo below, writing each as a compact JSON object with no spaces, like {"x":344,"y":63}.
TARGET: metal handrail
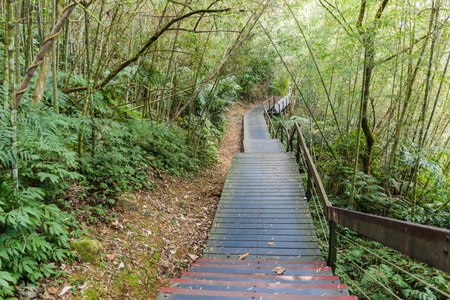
{"x":428,"y":244}
{"x":284,"y":130}
{"x":269,"y":101}
{"x":267,"y":118}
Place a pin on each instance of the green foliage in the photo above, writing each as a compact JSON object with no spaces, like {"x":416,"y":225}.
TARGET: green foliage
{"x":33,"y":233}
{"x":369,"y":195}
{"x":128,"y":151}
{"x":256,"y":78}
{"x":279,"y":86}
{"x":213,"y":107}
{"x":376,"y":276}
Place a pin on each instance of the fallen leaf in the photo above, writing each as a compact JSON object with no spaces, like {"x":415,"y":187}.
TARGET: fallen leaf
{"x":83,"y":286}
{"x":53,"y":290}
{"x":111,"y":256}
{"x":272,"y":244}
{"x":243,"y":256}
{"x":121,"y":266}
{"x":109,"y":230}
{"x":65,"y":290}
{"x":279,"y":270}
{"x":115,"y":224}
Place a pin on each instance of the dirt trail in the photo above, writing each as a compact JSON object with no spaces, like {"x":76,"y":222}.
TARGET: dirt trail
{"x":144,"y":250}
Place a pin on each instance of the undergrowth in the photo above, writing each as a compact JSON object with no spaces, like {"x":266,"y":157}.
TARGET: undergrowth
{"x":377,"y":274}
{"x":59,"y":182}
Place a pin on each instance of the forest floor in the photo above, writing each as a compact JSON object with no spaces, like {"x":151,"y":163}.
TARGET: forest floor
{"x":143,"y":250}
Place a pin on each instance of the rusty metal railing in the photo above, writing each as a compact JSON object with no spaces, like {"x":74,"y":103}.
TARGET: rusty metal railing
{"x":427,"y":244}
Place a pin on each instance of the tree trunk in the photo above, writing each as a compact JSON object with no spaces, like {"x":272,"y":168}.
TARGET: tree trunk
{"x":17,"y":45}
{"x":368,"y":37}
{"x":54,"y":60}
{"x":10,"y":77}
{"x":369,"y":54}
{"x":29,"y":41}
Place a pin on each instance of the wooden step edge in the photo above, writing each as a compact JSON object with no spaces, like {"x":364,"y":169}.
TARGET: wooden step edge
{"x":263,"y":284}
{"x":260,"y":267}
{"x":204,"y":260}
{"x":262,"y":276}
{"x":249,"y":295}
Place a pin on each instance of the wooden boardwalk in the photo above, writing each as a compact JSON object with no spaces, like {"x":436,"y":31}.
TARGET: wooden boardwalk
{"x":281,"y":105}
{"x":262,"y":243}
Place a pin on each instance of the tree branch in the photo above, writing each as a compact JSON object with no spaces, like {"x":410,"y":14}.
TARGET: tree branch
{"x":201,"y":31}
{"x":144,"y":48}
{"x":381,"y":9}
{"x":362,"y":11}
{"x":401,"y":52}
{"x":332,"y":14}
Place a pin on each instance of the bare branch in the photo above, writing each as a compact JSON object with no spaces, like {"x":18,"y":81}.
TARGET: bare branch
{"x":401,"y":52}
{"x":201,"y":31}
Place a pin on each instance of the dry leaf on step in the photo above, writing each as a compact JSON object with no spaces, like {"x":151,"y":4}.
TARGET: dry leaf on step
{"x":272,"y":244}
{"x":279,"y":270}
{"x":193,"y":256}
{"x":243,"y":256}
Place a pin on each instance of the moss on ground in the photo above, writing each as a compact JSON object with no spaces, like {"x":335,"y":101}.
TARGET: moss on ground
{"x":88,"y":249}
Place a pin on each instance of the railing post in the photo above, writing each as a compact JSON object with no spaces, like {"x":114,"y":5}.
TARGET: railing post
{"x":332,"y":246}
{"x":309,"y":185}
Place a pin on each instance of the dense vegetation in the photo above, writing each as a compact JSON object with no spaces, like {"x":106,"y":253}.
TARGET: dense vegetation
{"x":130,"y":88}
{"x":126,"y":90}
{"x":371,"y":84}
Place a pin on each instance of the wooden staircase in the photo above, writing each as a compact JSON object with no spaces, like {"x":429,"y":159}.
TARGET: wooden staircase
{"x":262,"y":243}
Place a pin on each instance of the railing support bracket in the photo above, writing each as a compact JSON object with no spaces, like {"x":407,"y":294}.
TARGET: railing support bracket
{"x":332,"y":246}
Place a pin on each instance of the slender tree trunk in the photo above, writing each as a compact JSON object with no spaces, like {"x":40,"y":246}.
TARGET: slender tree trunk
{"x":352,"y":202}
{"x":369,"y":54}
{"x":29,"y":40}
{"x":50,"y":61}
{"x":435,"y":11}
{"x":17,"y":44}
{"x":368,"y":37}
{"x":38,"y":11}
{"x":10,"y":77}
{"x":411,"y":77}
{"x":54,"y":61}
{"x":436,"y":99}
